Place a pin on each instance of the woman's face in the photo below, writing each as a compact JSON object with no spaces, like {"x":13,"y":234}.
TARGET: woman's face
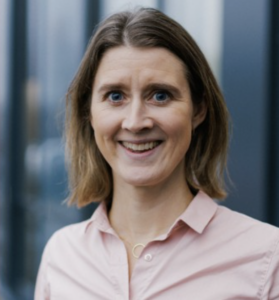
{"x":142,"y":114}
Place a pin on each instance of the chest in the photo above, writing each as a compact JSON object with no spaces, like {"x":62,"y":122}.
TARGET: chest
{"x":181,"y":268}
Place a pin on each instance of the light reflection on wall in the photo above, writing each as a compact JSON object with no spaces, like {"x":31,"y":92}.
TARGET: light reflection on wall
{"x":204,"y":21}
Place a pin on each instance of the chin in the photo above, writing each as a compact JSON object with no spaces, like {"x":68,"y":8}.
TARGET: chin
{"x":141,"y":180}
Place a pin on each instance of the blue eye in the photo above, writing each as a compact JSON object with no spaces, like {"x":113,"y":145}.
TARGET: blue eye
{"x":161,"y":96}
{"x":115,"y":96}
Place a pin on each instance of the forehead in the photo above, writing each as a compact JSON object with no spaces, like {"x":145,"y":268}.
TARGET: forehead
{"x":123,"y":61}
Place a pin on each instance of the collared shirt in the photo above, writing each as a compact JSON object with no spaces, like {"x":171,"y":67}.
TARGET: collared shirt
{"x":209,"y":253}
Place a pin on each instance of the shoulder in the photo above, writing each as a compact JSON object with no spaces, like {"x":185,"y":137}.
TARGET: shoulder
{"x":238,"y":235}
{"x":252,"y":246}
{"x":238,"y":223}
{"x":66,"y":238}
{"x":245,"y":231}
{"x":218,"y":220}
{"x":250,"y":238}
{"x":74,"y":238}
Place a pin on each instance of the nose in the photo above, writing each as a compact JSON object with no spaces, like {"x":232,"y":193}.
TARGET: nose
{"x":137,"y":117}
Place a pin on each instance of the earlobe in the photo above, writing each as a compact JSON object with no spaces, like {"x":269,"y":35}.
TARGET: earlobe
{"x":200,"y":112}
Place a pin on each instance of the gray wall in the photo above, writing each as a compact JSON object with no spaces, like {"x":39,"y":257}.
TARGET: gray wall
{"x":246,"y":85}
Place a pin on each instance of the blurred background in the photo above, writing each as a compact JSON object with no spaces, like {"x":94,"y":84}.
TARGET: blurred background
{"x":41,"y":45}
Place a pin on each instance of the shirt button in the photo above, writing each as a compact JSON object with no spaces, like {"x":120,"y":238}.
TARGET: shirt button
{"x":148,"y":257}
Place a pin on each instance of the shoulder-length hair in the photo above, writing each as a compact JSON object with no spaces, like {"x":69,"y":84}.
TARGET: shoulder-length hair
{"x":90,"y":175}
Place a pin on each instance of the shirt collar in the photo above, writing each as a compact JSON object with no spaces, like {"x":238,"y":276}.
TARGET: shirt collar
{"x":199,"y":212}
{"x":197,"y":215}
{"x":99,"y":218}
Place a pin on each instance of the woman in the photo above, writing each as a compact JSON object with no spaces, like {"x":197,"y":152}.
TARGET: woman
{"x":147,"y":135}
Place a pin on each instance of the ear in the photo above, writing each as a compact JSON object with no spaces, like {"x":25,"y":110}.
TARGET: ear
{"x":200,"y":111}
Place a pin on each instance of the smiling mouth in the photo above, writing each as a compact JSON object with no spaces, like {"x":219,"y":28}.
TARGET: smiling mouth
{"x":140,"y":147}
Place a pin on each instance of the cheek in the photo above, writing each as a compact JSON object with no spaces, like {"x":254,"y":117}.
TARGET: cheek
{"x":104,"y":125}
{"x":178,"y":123}
{"x":102,"y":135}
{"x":179,"y":130}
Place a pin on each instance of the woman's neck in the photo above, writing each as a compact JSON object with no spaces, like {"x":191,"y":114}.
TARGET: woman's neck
{"x":140,"y":214}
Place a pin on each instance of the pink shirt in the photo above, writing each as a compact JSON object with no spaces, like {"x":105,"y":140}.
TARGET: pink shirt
{"x":210,"y":253}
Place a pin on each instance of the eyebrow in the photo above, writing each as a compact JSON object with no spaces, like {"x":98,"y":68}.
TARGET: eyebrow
{"x":110,"y":87}
{"x":151,"y":86}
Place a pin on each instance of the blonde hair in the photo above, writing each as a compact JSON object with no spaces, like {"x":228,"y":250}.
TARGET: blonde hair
{"x":90,"y":175}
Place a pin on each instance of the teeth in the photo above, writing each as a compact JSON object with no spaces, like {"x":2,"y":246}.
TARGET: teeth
{"x":140,"y":147}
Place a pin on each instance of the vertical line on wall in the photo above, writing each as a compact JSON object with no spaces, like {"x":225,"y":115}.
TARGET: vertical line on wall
{"x":273,"y":115}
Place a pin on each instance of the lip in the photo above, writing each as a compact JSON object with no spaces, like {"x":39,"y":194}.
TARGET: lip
{"x":141,"y":141}
{"x":140,"y":147}
{"x":140,"y":154}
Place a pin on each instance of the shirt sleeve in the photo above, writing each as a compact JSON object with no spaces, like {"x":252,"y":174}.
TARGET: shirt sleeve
{"x":42,"y":288}
{"x":271,"y":288}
